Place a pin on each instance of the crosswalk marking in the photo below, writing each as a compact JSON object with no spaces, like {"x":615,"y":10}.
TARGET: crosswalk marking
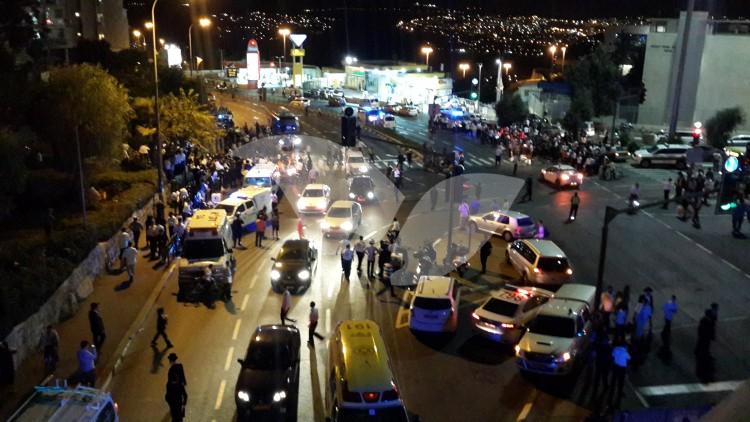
{"x":714,"y":387}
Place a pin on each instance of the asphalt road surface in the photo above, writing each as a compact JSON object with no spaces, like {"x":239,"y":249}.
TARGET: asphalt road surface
{"x":460,"y":377}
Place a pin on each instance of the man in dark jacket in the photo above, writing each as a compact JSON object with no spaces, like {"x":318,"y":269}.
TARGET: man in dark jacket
{"x":161,"y":328}
{"x":484,"y":252}
{"x":237,"y":230}
{"x":176,"y":395}
{"x":97,"y":326}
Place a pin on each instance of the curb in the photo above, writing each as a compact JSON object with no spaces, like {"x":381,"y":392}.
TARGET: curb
{"x":136,"y":327}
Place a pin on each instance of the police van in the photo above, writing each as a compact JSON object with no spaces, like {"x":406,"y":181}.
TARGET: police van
{"x":262,"y":175}
{"x":62,"y":403}
{"x":206,"y":242}
{"x":360,"y":383}
{"x":246,"y":202}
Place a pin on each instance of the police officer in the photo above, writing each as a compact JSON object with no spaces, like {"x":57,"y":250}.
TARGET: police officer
{"x":359,"y":249}
{"x":346,"y":261}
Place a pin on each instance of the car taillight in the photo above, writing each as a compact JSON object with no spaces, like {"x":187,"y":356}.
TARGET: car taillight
{"x":371,"y":397}
{"x":504,"y":325}
{"x":390,"y":395}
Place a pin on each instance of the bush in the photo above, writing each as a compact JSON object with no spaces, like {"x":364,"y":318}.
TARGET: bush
{"x":116,"y":181}
{"x":47,"y":188}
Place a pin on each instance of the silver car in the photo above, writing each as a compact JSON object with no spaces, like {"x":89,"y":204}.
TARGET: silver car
{"x":508,"y":224}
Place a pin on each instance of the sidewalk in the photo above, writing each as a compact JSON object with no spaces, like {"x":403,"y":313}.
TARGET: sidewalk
{"x":118,"y":305}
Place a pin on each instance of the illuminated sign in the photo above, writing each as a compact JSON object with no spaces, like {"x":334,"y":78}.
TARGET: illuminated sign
{"x":174,"y":55}
{"x":253,"y":61}
{"x":298,"y":39}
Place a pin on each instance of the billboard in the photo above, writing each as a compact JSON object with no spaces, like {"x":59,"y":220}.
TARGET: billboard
{"x":253,"y":63}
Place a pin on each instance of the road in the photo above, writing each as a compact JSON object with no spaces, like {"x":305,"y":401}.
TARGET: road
{"x":460,"y":377}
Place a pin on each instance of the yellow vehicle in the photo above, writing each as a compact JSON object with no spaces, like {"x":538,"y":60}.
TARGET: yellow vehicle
{"x":360,"y":384}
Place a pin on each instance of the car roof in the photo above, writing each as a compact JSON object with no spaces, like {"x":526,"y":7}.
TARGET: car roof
{"x":561,"y":307}
{"x":296,"y":244}
{"x":545,"y":247}
{"x":518,"y":294}
{"x":272,"y":332}
{"x":365,"y":356}
{"x":434,"y":287}
{"x":563,"y":167}
{"x":234,"y":201}
{"x":342,"y":204}
{"x":316,"y":186}
{"x":510,"y":213}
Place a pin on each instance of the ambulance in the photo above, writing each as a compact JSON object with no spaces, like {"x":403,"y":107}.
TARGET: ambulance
{"x":63,"y":403}
{"x":247,"y":202}
{"x":207,"y":241}
{"x":264,"y":175}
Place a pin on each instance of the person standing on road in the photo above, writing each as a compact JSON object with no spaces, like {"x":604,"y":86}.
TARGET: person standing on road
{"x":130,"y":256}
{"x":575,"y":201}
{"x":541,"y":232}
{"x":498,"y":156}
{"x":136,"y":227}
{"x":347,"y":256}
{"x":176,"y":395}
{"x":463,"y":212}
{"x":409,"y":157}
{"x":97,"y":326}
{"x":484,"y":252}
{"x":667,"y":185}
{"x":738,"y":215}
{"x":161,"y":328}
{"x":286,"y":305}
{"x":371,"y":251}
{"x":703,"y":358}
{"x":237,"y":231}
{"x":359,"y":249}
{"x":620,"y":360}
{"x":607,"y":305}
{"x":51,"y":349}
{"x":260,"y":230}
{"x":313,"y":324}
{"x":300,"y":229}
{"x":123,"y":241}
{"x":87,"y":357}
{"x":275,"y":224}
{"x":669,"y":309}
{"x":602,"y":361}
{"x":384,"y":256}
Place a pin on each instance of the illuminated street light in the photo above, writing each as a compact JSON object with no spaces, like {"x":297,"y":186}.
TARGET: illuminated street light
{"x":284,"y":32}
{"x":427,"y":50}
{"x":139,"y":37}
{"x":350,"y":60}
{"x":149,"y":25}
{"x":204,"y":23}
{"x":507,"y":67}
{"x":552,"y":51}
{"x":464,"y":67}
{"x":563,"y":49}
{"x":137,"y":33}
{"x":162,"y":41}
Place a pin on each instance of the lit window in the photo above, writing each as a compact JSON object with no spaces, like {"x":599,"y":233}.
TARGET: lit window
{"x":661,"y":28}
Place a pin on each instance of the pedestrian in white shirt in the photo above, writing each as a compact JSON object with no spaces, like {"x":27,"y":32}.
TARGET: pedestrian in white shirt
{"x":286,"y":305}
{"x":130,"y":257}
{"x":313,"y":324}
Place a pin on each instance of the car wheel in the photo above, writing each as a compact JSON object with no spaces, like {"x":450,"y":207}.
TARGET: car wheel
{"x":645,"y":163}
{"x":508,"y":236}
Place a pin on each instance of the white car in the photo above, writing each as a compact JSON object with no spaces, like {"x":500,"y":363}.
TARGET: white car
{"x":504,"y":315}
{"x":508,"y":224}
{"x":355,"y":163}
{"x":434,"y":306}
{"x":343,"y":218}
{"x":389,"y":122}
{"x":561,"y":175}
{"x":407,"y":110}
{"x":315,"y":198}
{"x":300,"y":102}
{"x":662,"y":154}
{"x":737,"y":145}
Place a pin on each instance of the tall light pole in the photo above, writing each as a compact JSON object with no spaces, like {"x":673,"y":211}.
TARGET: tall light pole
{"x":427,"y":50}
{"x":563,"y":49}
{"x":479,"y":87}
{"x":139,"y":37}
{"x":499,"y":86}
{"x":159,"y":161}
{"x":284,"y":32}
{"x":204,"y":23}
{"x":464,"y":67}
{"x":552,"y":51}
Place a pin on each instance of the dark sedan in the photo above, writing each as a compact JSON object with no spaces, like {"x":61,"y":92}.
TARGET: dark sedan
{"x":362,"y":189}
{"x":294,"y":266}
{"x":268,"y":383}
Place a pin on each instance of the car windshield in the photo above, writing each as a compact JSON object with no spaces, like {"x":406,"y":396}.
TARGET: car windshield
{"x":202,"y":248}
{"x":340,"y":212}
{"x":431,"y":304}
{"x":312,"y":193}
{"x":553,"y":326}
{"x":291,"y":254}
{"x":258,"y":181}
{"x":549,"y":264}
{"x":525,"y":221}
{"x":501,"y":307}
{"x":653,"y":148}
{"x":267,"y":356}
{"x":383,"y":414}
{"x":228,"y":208}
{"x":356,"y":159}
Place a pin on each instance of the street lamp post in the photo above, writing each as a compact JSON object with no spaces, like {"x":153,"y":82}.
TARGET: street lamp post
{"x":139,"y":37}
{"x":563,"y":49}
{"x":427,"y":50}
{"x":159,"y":160}
{"x":464,"y":67}
{"x":552,"y":51}
{"x":204,"y":23}
{"x":479,"y":88}
{"x":284,"y":32}
{"x":499,"y":87}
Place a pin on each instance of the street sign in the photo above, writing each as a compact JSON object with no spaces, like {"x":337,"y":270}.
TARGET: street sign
{"x":231,"y":72}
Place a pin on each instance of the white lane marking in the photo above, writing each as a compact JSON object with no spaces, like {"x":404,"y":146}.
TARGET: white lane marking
{"x":638,"y":395}
{"x":683,"y":236}
{"x":647,"y":213}
{"x":705,"y":249}
{"x":244,"y":302}
{"x":714,"y":387}
{"x":228,"y":362}
{"x":732,"y":266}
{"x":527,"y":407}
{"x":252,"y":282}
{"x":220,"y":396}
{"x":328,"y":320}
{"x":236,"y":331}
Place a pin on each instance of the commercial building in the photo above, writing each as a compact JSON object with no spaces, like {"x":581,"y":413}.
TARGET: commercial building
{"x":398,"y":82}
{"x":716,"y":65}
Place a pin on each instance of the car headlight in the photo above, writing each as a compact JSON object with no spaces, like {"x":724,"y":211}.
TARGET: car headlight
{"x":275,"y":275}
{"x":518,"y":350}
{"x":370,"y":195}
{"x":303,"y":275}
{"x":324,"y":225}
{"x":363,"y":169}
{"x":243,"y":396}
{"x":347,"y":226}
{"x":563,"y":357}
{"x":297,"y":141}
{"x":352,"y":195}
{"x":279,"y":396}
{"x":281,"y":142}
{"x":565,"y":177}
{"x":300,"y":204}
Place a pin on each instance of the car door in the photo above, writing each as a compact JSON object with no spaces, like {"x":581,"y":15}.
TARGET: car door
{"x":501,"y":224}
{"x":487,"y":222}
{"x":515,"y":254}
{"x":248,"y":214}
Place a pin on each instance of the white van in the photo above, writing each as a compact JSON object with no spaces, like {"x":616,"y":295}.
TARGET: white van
{"x":62,"y":403}
{"x":559,"y":336}
{"x":263,"y":175}
{"x":247,"y":202}
{"x":206,"y":242}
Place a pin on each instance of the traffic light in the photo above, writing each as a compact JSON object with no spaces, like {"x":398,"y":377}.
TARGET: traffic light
{"x":732,"y":183}
{"x":473,"y":95}
{"x":348,"y":128}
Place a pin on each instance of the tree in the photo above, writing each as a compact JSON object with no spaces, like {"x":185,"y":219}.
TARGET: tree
{"x":581,"y":110}
{"x":597,"y":74}
{"x":181,"y":117}
{"x":15,"y":173}
{"x":510,"y":109}
{"x":86,"y":97}
{"x":720,"y":127}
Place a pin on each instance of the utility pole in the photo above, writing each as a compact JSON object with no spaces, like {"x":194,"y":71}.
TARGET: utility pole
{"x":675,"y":112}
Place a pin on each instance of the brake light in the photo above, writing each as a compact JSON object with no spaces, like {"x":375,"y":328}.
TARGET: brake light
{"x":537,"y":270}
{"x":524,"y":291}
{"x":518,"y":230}
{"x":504,"y":325}
{"x":371,"y":397}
